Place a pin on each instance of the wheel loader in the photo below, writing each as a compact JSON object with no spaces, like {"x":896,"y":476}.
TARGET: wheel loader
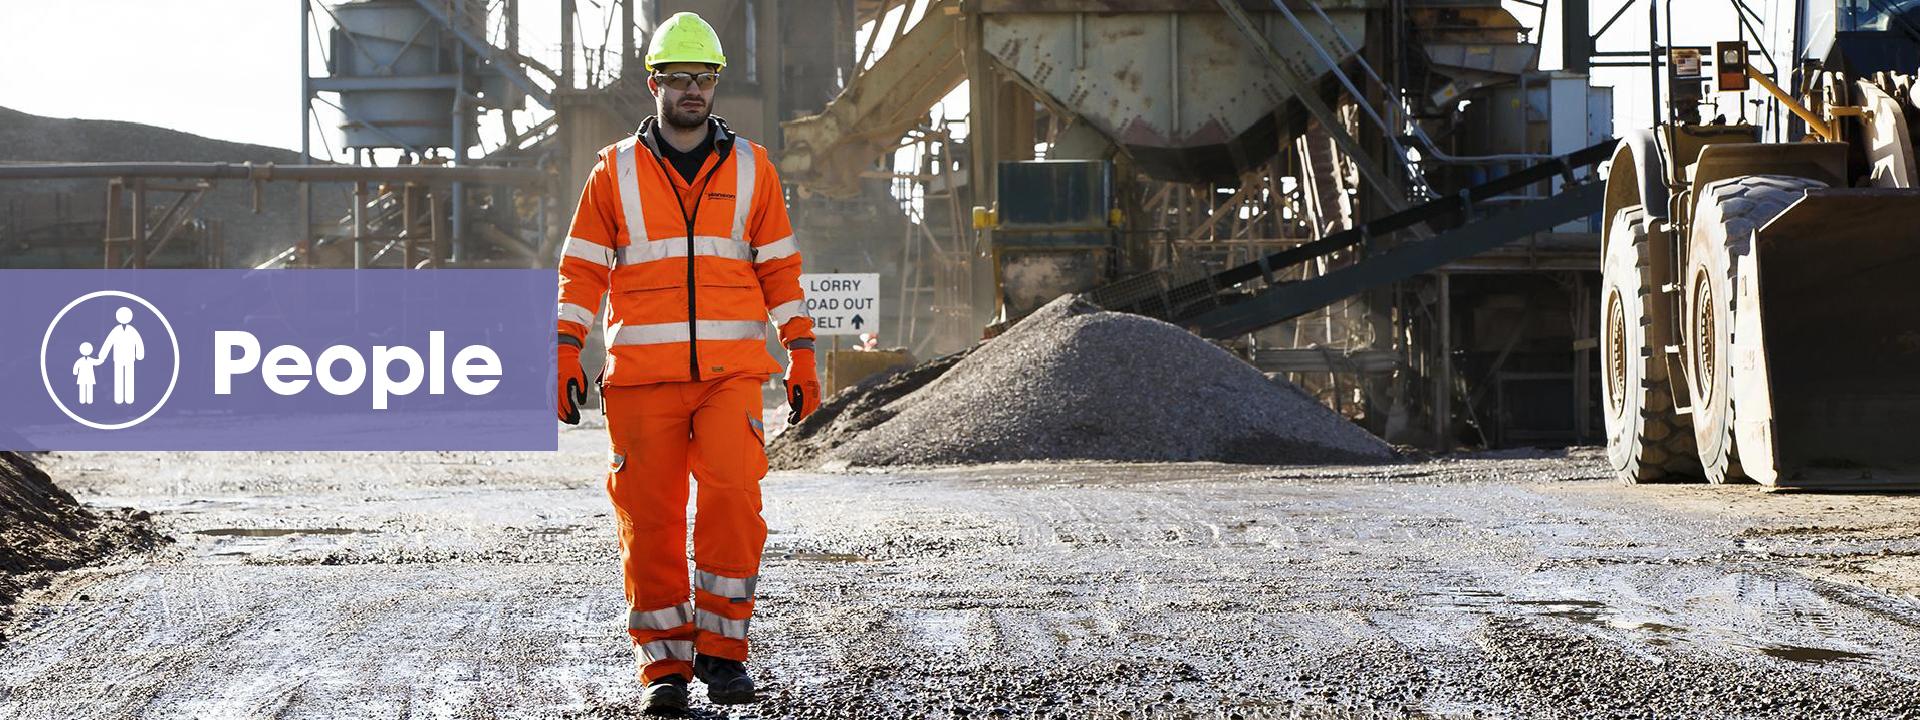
{"x":1760,"y":310}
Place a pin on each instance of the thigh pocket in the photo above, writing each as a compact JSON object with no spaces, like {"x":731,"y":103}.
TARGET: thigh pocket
{"x":757,"y":455}
{"x":616,"y":461}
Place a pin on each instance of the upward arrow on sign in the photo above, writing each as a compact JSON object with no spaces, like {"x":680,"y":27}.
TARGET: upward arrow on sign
{"x":856,"y":322}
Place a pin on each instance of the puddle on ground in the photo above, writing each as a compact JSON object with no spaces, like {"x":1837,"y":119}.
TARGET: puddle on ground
{"x":1582,"y":611}
{"x":825,"y":557}
{"x":785,"y":553}
{"x":1585,"y":612}
{"x":1594,"y":612}
{"x":1474,"y":600}
{"x":1810,"y":655}
{"x":279,"y":532}
{"x":1659,"y":632}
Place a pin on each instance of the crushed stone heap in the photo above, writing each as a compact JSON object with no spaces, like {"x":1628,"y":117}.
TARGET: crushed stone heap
{"x":1074,"y":382}
{"x":43,"y":529}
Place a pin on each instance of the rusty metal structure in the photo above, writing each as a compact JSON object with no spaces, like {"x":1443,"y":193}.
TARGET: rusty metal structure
{"x":418,"y":85}
{"x":1283,"y":165}
{"x":1247,"y":152}
{"x":135,"y":238}
{"x":413,"y":76}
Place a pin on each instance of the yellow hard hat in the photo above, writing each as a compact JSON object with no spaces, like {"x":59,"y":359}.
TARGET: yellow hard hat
{"x":684,"y":38}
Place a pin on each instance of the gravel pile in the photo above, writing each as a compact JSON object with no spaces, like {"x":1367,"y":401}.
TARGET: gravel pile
{"x":1073,"y":382}
{"x":42,"y":528}
{"x":842,"y":418}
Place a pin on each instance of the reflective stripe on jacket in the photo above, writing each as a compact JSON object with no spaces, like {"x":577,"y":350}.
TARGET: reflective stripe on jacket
{"x":691,"y":272}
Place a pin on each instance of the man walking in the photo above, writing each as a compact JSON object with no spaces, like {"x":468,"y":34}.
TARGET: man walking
{"x":683,"y":226}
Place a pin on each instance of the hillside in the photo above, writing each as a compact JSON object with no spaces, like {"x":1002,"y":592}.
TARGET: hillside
{"x":31,"y":207}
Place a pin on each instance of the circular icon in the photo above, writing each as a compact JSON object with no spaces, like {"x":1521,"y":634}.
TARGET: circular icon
{"x":125,"y":348}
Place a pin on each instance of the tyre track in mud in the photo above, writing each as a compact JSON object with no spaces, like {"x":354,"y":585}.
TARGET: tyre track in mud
{"x":485,"y":586}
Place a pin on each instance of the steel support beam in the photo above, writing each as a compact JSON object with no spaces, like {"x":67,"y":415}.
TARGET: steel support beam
{"x":306,"y":130}
{"x":524,"y":177}
{"x":567,"y":11}
{"x":1296,"y":80}
{"x":445,"y":81}
{"x":1576,"y":44}
{"x":1443,"y":365}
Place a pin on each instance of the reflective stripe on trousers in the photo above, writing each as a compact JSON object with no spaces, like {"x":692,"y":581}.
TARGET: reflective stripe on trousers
{"x":666,"y":618}
{"x":735,"y":589}
{"x":660,"y":650}
{"x":710,"y":622}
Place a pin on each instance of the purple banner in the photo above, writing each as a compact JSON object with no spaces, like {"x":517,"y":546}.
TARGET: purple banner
{"x":276,"y":360}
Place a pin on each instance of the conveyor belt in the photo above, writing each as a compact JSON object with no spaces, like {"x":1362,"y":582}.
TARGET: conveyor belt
{"x":1219,"y":306}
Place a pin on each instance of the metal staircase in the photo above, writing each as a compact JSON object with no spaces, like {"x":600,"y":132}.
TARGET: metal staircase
{"x":1329,"y":177}
{"x":1247,"y":297}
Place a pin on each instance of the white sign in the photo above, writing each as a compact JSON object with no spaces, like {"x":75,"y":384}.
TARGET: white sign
{"x":843,"y":303}
{"x":1686,"y":62}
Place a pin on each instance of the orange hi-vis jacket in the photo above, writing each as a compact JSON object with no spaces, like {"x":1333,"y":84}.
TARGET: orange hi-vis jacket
{"x":691,"y":272}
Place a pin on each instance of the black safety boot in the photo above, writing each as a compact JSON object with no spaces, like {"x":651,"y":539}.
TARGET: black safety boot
{"x":666,"y":696}
{"x":727,"y":680}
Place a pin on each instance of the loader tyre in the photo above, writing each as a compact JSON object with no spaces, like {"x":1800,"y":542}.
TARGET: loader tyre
{"x":1729,"y":213}
{"x":1646,"y":440}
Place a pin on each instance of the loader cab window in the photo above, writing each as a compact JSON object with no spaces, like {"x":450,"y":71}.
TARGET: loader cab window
{"x":1875,"y":15}
{"x":1863,"y":37}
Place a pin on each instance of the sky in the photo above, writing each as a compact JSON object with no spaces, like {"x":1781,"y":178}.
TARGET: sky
{"x":229,"y":69}
{"x":225,"y":69}
{"x":219,"y":68}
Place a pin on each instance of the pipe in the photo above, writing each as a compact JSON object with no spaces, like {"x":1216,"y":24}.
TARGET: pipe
{"x":457,"y":248}
{"x":306,"y":124}
{"x":1428,"y":146}
{"x":1814,"y":123}
{"x":359,"y":215}
{"x":1173,"y":74}
{"x":566,"y":45}
{"x":269,"y":171}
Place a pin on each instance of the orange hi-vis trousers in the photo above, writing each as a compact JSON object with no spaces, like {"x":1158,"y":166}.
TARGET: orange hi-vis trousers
{"x":661,"y":432}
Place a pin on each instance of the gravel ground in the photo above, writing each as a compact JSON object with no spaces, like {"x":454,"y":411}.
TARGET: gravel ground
{"x":485,"y":585}
{"x":1072,"y":382}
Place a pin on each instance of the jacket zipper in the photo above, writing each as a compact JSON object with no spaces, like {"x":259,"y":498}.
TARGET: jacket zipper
{"x":693,"y":335}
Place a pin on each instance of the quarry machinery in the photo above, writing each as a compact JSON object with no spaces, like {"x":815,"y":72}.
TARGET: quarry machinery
{"x":1761,"y":297}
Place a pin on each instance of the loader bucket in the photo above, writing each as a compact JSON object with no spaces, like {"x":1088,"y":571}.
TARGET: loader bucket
{"x":1826,"y":346}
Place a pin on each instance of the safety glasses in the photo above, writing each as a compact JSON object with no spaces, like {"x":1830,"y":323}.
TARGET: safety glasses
{"x":684,"y":80}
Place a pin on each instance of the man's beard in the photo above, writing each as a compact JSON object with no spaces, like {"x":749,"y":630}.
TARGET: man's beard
{"x":686,"y":120}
